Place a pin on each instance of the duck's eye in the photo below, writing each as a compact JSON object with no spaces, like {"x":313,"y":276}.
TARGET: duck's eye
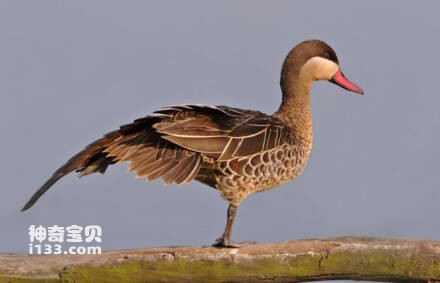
{"x":327,"y":55}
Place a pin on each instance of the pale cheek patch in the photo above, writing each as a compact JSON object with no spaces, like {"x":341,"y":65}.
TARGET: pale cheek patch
{"x":318,"y":68}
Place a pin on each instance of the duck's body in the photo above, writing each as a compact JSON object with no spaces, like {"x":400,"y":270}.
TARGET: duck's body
{"x":259,"y":153}
{"x":235,"y":151}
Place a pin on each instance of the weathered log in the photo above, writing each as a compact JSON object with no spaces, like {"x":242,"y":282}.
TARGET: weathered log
{"x":355,"y":258}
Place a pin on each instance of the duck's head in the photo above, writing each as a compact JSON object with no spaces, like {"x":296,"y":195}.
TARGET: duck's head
{"x":314,"y":60}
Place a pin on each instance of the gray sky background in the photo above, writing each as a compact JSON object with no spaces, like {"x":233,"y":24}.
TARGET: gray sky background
{"x":72,"y":71}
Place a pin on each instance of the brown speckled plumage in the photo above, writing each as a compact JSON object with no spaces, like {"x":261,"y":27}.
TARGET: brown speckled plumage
{"x":236,"y":151}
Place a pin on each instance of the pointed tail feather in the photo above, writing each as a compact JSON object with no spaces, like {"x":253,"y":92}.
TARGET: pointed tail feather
{"x":49,"y":183}
{"x":90,"y":160}
{"x":139,"y":143}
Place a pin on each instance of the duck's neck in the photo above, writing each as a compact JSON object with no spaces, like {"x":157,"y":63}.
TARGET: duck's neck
{"x":295,"y":107}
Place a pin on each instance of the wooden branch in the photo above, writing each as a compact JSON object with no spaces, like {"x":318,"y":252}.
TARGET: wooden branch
{"x":355,"y":258}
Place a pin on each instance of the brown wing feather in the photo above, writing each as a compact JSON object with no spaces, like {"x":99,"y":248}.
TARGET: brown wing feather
{"x":171,"y":143}
{"x":221,"y":132}
{"x":138,"y":143}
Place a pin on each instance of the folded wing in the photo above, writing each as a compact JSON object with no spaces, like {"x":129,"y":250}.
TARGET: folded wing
{"x":222,"y":133}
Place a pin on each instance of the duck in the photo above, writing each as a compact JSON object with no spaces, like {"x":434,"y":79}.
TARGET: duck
{"x":235,"y":151}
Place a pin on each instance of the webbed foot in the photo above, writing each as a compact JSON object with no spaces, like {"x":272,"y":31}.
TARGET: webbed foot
{"x":226,"y":243}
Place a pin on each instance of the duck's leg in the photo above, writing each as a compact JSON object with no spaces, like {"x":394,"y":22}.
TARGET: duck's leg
{"x":225,"y":239}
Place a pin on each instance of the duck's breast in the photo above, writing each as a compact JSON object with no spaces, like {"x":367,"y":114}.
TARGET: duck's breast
{"x":240,"y":177}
